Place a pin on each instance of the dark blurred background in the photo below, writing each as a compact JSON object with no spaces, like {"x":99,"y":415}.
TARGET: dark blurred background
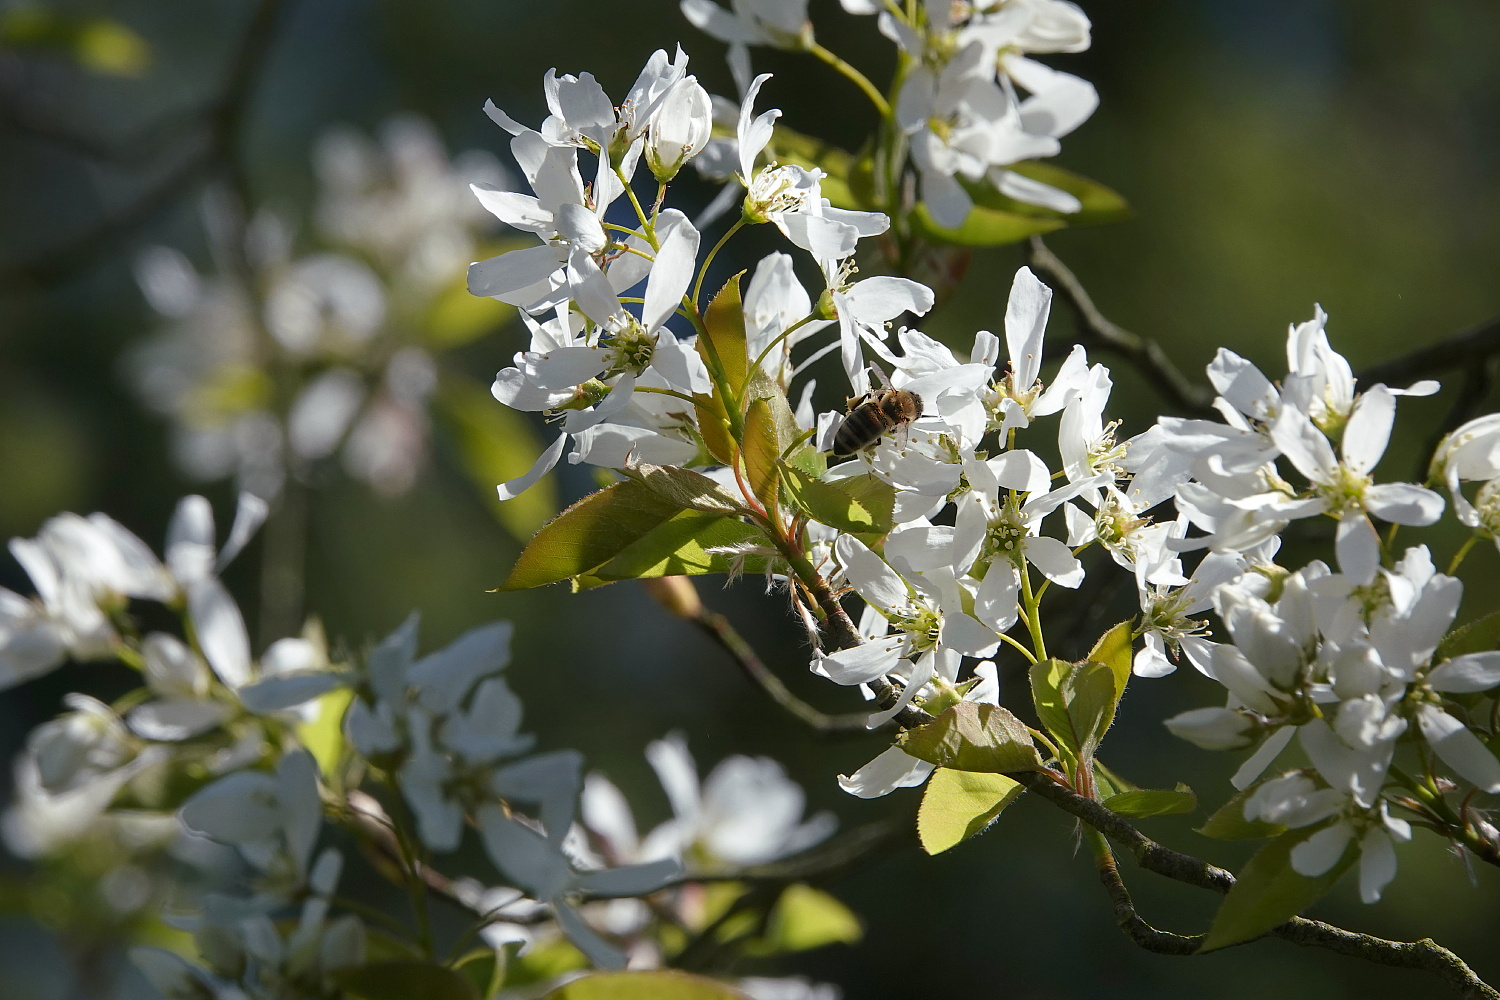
{"x":1276,"y":154}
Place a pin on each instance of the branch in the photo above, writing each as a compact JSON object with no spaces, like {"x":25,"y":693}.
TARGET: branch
{"x":717,"y":627}
{"x":680,"y":598}
{"x":1462,"y":350}
{"x":1425,"y":955}
{"x":1100,"y":332}
{"x":224,"y":117}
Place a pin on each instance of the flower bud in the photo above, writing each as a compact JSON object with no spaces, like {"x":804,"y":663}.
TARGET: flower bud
{"x":675,"y":593}
{"x":1215,"y":728}
{"x":680,"y":128}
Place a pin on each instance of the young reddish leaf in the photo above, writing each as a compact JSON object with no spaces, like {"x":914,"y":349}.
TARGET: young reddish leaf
{"x":724,"y":345}
{"x":762,"y":456}
{"x":589,"y":534}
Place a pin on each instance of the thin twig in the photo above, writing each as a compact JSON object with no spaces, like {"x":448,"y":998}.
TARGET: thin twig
{"x":1101,"y":333}
{"x":1461,"y":350}
{"x":718,"y":628}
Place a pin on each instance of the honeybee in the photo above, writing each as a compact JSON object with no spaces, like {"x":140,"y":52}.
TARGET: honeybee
{"x":874,"y":415}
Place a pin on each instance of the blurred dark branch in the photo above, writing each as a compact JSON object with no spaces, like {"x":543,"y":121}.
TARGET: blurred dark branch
{"x":130,"y":151}
{"x":1099,"y":332}
{"x":218,"y":150}
{"x":1467,"y":349}
{"x":717,"y":627}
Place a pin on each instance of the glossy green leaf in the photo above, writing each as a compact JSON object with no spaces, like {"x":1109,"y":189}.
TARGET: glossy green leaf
{"x":759,"y":385}
{"x":404,"y":981}
{"x":1091,"y":694}
{"x":542,"y":961}
{"x":1075,"y":701}
{"x":957,"y":805}
{"x":1100,"y":204}
{"x":496,"y":444}
{"x":805,"y":918}
{"x":590,"y":533}
{"x":1114,"y":651}
{"x":762,"y":456}
{"x":1229,"y":823}
{"x":321,"y":731}
{"x":1047,"y":677}
{"x":686,"y":488}
{"x":723,"y":346}
{"x":984,"y":227}
{"x":713,"y":427}
{"x":678,"y":547}
{"x":483,"y":969}
{"x":1478,"y":636}
{"x":456,"y":316}
{"x":859,"y":504}
{"x":662,"y":985}
{"x":974,"y":737}
{"x":1143,"y":803}
{"x":1268,"y":891}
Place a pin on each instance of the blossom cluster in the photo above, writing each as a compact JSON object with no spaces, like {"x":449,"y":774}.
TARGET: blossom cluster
{"x":980,"y":524}
{"x":214,"y":749}
{"x":279,"y":359}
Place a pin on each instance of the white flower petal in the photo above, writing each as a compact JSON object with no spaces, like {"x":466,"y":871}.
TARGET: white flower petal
{"x":1319,"y":853}
{"x":1467,"y":674}
{"x":893,"y":769}
{"x":1459,"y":748}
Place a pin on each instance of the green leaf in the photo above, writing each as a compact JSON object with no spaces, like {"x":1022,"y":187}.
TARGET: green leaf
{"x":686,"y":488}
{"x":1113,"y":650}
{"x":759,"y":385}
{"x":496,"y":444}
{"x":542,"y":961}
{"x":713,"y":427}
{"x":957,"y":805}
{"x":805,"y":918}
{"x":1143,"y":803}
{"x":663,"y":985}
{"x":590,"y":533}
{"x":984,"y":227}
{"x":100,"y":45}
{"x":859,"y":504}
{"x":456,"y":316}
{"x":1229,"y":822}
{"x":403,"y":981}
{"x":1268,"y":891}
{"x":323,"y":733}
{"x":762,"y":456}
{"x":1075,"y":701}
{"x":1100,"y":204}
{"x":1091,"y":694}
{"x":483,"y":969}
{"x":723,"y":346}
{"x":1047,"y":677}
{"x":676,"y":548}
{"x":974,"y":737}
{"x":1478,"y":636}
